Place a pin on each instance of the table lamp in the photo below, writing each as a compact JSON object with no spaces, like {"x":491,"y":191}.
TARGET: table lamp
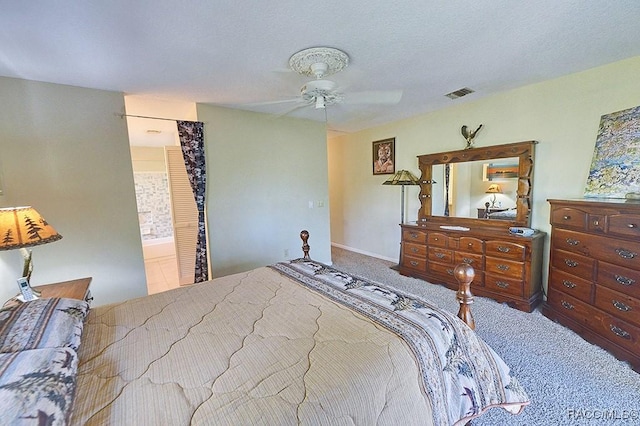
{"x":493,"y":189}
{"x":22,"y":227}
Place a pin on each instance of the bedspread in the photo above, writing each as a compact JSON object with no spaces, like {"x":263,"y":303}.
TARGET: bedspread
{"x":260,"y":348}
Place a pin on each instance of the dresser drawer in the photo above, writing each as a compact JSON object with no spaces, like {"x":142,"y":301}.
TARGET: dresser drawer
{"x":569,"y":216}
{"x":419,"y":264}
{"x":471,"y":245}
{"x":606,"y":325}
{"x":620,"y":279}
{"x":620,"y":252}
{"x":415,"y":236}
{"x":505,"y":250}
{"x":442,"y":269}
{"x":504,"y":268}
{"x":618,"y":304}
{"x":437,"y":239}
{"x":415,"y":250}
{"x":626,"y":225}
{"x":616,"y":330}
{"x":623,"y":253}
{"x":474,"y":260}
{"x":569,"y":306}
{"x":571,"y":285}
{"x":440,"y":255}
{"x":573,"y":263}
{"x":503,"y":285}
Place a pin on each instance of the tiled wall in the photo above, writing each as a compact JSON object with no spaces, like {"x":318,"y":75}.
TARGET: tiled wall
{"x":152,"y":196}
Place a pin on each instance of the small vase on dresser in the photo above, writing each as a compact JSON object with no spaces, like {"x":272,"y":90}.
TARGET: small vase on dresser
{"x":594,"y":273}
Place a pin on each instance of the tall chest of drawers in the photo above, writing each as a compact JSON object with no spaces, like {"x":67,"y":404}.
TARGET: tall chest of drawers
{"x":507,"y":267}
{"x":594,"y":273}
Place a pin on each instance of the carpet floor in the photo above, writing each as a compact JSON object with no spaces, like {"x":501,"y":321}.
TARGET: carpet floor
{"x":569,"y":381}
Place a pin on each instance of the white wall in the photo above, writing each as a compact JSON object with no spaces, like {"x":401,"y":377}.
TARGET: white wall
{"x":562,"y":114}
{"x":65,"y":151}
{"x":262,"y":173}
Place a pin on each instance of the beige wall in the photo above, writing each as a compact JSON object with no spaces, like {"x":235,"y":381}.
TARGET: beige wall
{"x":65,"y":151}
{"x":262,"y":173}
{"x":562,"y":114}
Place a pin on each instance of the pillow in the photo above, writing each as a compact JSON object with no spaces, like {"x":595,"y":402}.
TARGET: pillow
{"x":37,"y":386}
{"x":42,"y":323}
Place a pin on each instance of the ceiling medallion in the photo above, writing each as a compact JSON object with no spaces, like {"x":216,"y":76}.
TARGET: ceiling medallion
{"x":319,"y":62}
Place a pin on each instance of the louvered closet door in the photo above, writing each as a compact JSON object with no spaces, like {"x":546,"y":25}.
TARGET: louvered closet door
{"x":184,"y":213}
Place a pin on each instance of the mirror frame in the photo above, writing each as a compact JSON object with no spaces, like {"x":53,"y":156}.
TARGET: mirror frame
{"x":523,"y":150}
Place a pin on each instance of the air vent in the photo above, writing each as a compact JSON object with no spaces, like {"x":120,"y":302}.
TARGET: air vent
{"x":459,"y":93}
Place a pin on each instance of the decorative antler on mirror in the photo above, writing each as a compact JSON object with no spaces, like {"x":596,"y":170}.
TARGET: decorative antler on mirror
{"x":469,"y":136}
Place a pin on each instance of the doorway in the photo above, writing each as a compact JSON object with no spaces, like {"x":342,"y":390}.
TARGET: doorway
{"x":163,"y":193}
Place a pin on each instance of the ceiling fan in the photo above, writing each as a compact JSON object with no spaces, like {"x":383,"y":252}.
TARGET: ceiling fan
{"x":321,"y":62}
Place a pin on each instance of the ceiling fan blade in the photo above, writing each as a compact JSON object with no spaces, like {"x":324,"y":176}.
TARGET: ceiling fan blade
{"x":264,"y":103}
{"x":297,"y":107}
{"x":389,"y":97}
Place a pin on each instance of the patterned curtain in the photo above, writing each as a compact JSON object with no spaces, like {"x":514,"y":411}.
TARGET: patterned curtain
{"x":192,"y":143}
{"x":447,"y":172}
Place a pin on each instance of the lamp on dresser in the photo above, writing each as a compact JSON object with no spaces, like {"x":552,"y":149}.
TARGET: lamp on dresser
{"x":493,"y":189}
{"x":24,"y":227}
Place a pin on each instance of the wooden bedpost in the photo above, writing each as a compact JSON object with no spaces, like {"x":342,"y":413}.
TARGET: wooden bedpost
{"x":305,"y":246}
{"x":465,"y":274}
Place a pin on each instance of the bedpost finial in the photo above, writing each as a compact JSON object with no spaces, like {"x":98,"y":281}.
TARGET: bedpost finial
{"x":465,"y":274}
{"x":304,"y":235}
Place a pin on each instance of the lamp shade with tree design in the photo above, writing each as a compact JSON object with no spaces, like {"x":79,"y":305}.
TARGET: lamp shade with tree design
{"x":23,"y":227}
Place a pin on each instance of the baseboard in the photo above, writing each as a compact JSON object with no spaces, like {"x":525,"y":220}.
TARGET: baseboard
{"x":366,"y":253}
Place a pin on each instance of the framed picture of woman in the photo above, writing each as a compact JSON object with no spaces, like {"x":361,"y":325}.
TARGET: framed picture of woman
{"x":384,"y":157}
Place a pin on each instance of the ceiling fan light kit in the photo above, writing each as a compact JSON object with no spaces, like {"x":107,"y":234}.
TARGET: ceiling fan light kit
{"x":322,"y":92}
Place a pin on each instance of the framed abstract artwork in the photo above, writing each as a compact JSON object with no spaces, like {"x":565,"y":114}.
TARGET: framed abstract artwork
{"x":615,"y":167}
{"x":384,"y":157}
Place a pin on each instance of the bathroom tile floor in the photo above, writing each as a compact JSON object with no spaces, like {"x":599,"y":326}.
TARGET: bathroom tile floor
{"x":162,"y":274}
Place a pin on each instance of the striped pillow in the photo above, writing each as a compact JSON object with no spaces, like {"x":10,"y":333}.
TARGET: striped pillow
{"x":42,"y":323}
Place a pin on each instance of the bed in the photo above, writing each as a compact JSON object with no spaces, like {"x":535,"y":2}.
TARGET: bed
{"x":297,"y":342}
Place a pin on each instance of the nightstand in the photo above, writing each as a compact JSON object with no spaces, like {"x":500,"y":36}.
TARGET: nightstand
{"x":73,"y":289}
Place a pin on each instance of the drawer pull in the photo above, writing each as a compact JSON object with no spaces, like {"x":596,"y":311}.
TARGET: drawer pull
{"x":470,"y":245}
{"x":621,"y":306}
{"x":620,"y":332}
{"x":572,"y":242}
{"x":632,"y":225}
{"x":504,"y":249}
{"x":570,"y":263}
{"x":450,"y":271}
{"x":435,"y":239}
{"x":566,"y":217}
{"x":414,"y":235}
{"x":624,"y":280}
{"x":502,"y":284}
{"x":415,"y":250}
{"x":596,"y":223}
{"x":626,"y":254}
{"x":568,"y":284}
{"x":440,"y":255}
{"x":467,"y":260}
{"x":567,"y":305}
{"x":503,"y":267}
{"x":413,"y":263}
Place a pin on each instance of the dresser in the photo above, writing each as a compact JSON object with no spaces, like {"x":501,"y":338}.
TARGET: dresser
{"x":594,"y":273}
{"x":507,"y":267}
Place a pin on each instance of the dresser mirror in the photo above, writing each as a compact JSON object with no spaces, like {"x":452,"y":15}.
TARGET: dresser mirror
{"x":491,"y":186}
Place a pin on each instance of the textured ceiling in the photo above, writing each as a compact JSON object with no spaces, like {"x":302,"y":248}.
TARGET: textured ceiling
{"x":235,"y":53}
